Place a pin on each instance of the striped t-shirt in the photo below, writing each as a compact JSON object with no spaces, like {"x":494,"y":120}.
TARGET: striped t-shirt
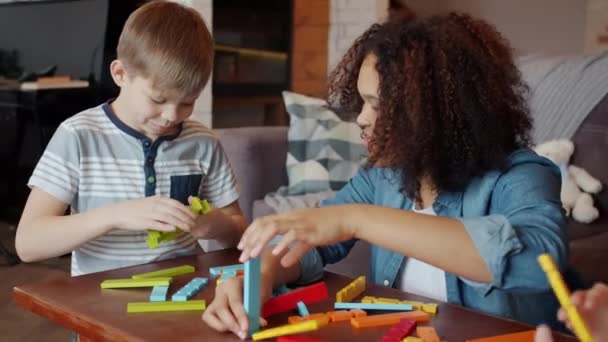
{"x":95,"y":160}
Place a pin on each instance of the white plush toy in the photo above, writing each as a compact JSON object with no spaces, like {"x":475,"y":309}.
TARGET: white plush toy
{"x":577,"y":184}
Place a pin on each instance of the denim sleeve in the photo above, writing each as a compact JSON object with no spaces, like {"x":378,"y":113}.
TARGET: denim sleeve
{"x":360,"y":189}
{"x":526,"y":219}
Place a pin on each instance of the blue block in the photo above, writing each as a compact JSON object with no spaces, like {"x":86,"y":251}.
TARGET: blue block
{"x":251,"y":296}
{"x":302,"y":309}
{"x":159,"y":293}
{"x":189,"y":290}
{"x":228,"y":268}
{"x":373,"y":306}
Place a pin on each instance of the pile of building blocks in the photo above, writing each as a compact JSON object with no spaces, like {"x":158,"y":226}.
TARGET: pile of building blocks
{"x":426,"y":307}
{"x":155,"y":237}
{"x":160,"y":280}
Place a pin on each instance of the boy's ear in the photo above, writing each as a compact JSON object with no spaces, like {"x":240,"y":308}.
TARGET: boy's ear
{"x":118,"y":72}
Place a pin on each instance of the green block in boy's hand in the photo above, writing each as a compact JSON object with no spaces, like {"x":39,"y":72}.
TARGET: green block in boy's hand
{"x":156,"y":237}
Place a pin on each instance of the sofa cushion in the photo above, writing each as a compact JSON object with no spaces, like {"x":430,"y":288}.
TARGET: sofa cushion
{"x":324,"y":152}
{"x":589,"y":255}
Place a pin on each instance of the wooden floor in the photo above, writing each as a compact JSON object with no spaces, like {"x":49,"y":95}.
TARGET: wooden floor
{"x":17,"y":324}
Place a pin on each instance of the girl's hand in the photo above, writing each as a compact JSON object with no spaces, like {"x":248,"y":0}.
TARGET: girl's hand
{"x":304,"y":229}
{"x":227,"y":313}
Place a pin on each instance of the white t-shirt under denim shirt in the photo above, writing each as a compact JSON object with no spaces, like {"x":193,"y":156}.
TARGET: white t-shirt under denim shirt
{"x":420,"y":278}
{"x":426,"y":280}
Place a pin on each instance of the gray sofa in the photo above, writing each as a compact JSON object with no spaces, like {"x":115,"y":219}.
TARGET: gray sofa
{"x":258,"y":156}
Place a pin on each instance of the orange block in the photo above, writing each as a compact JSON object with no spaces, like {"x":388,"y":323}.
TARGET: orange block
{"x":338,"y":316}
{"x":320,"y":317}
{"x":358,"y":313}
{"x":525,"y":336}
{"x":427,"y":334}
{"x":388,"y":319}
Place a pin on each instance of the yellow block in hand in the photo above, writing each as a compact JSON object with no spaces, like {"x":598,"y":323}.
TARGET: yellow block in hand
{"x":563,"y":295}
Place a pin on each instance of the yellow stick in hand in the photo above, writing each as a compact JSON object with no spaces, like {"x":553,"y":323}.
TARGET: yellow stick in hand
{"x":563,"y":295}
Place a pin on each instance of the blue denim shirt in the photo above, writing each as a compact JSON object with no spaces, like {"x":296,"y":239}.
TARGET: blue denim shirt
{"x":512,"y":216}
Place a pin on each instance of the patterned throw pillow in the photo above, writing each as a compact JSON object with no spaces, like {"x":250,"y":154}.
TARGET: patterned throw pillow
{"x":324,"y":152}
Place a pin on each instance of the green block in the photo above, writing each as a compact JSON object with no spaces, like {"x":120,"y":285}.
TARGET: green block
{"x":130,"y":282}
{"x":156,"y":237}
{"x":167,"y":272}
{"x":191,"y":305}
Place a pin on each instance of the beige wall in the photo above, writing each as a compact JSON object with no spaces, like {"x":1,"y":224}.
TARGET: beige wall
{"x":552,"y":26}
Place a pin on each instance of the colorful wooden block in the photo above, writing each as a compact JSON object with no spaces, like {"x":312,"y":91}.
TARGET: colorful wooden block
{"x":129,"y":282}
{"x":415,"y":305}
{"x":302,"y":309}
{"x":525,"y":336}
{"x":358,"y":313}
{"x":191,"y":305}
{"x":388,"y":319}
{"x":167,"y":272}
{"x":189,"y":290}
{"x":159,"y":293}
{"x":227,"y":268}
{"x":155,"y":237}
{"x":368,"y":299}
{"x":288,"y":329}
{"x":373,"y":306}
{"x":427,"y":334}
{"x":430,"y":308}
{"x":412,"y":339}
{"x":399,"y":331}
{"x":339,"y":316}
{"x":352,"y":290}
{"x":383,"y":300}
{"x":321,"y":317}
{"x":308,"y":295}
{"x":251,"y":297}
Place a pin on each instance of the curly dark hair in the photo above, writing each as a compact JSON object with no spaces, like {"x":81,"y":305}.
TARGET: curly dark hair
{"x":452,"y":104}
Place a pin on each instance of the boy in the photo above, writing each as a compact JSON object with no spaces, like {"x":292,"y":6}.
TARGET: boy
{"x":132,"y":163}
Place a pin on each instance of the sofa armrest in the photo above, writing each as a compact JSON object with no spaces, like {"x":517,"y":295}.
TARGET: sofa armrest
{"x":257,"y":156}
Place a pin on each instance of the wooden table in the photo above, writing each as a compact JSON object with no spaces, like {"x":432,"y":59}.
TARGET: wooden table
{"x":81,"y":305}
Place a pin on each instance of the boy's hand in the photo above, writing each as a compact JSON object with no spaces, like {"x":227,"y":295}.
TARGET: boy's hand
{"x":156,"y":212}
{"x":226,"y":312}
{"x":304,"y":228}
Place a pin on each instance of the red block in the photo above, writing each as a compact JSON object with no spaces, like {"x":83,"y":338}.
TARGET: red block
{"x":399,"y":331}
{"x":289,"y":301}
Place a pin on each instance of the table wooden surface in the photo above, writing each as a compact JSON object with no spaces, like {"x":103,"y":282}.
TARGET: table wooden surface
{"x":80,"y":304}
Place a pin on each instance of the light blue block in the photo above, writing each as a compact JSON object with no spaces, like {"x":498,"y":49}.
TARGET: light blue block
{"x":302,"y":309}
{"x":373,"y":306}
{"x":189,"y":290}
{"x":251,"y":296}
{"x":228,"y":268}
{"x":159,"y":293}
{"x":228,"y":274}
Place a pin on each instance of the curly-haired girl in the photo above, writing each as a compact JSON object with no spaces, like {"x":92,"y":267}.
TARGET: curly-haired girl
{"x":455,"y":205}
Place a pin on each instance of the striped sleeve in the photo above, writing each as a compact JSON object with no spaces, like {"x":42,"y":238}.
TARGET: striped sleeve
{"x":57,"y":171}
{"x":219,"y":185}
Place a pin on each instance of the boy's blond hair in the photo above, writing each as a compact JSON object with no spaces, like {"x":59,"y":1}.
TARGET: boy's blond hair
{"x":169,"y":44}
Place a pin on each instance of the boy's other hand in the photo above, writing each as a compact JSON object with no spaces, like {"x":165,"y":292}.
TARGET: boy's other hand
{"x":155,"y":212}
{"x":226,"y":312}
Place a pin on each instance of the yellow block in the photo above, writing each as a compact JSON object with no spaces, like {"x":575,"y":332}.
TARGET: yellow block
{"x":411,"y":339}
{"x":288,"y":329}
{"x":352,"y":290}
{"x":191,"y":305}
{"x":563,"y":295}
{"x":429,"y":308}
{"x":167,"y":272}
{"x":368,"y":300}
{"x":415,"y":305}
{"x":382,"y":300}
{"x":129,"y":282}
